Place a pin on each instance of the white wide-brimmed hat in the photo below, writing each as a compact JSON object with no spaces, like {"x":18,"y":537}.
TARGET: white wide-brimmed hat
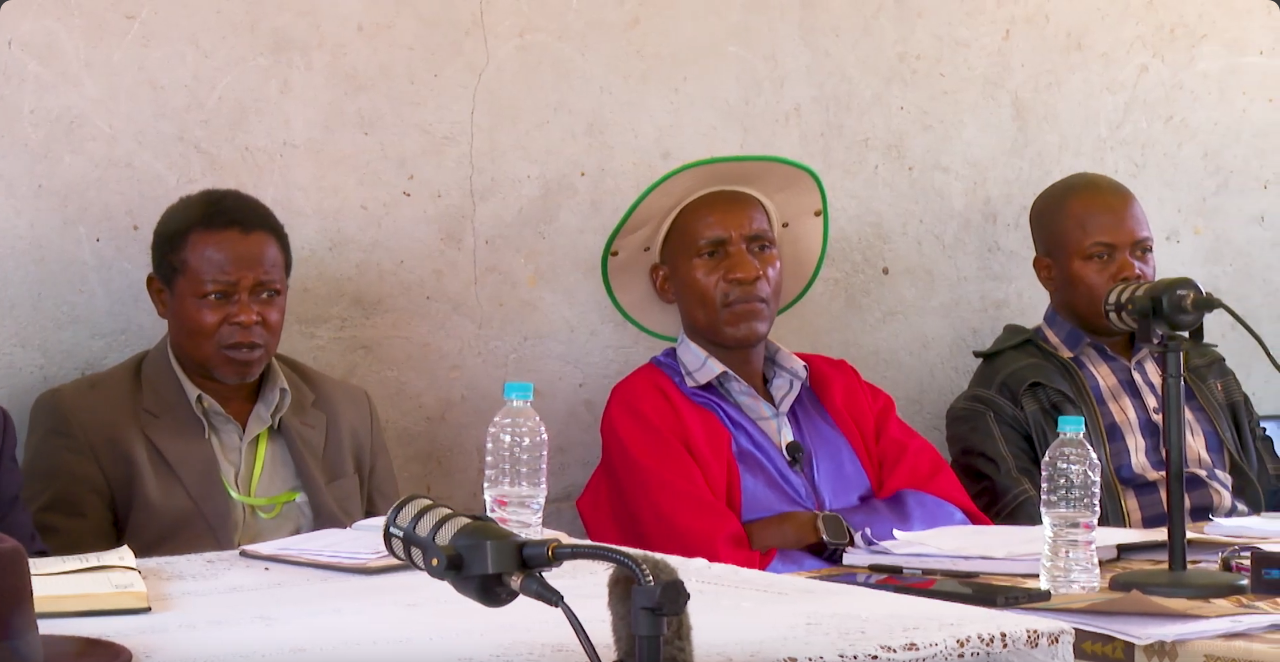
{"x":791,"y":193}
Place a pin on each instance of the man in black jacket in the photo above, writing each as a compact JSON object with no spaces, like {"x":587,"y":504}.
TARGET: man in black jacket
{"x":1090,"y":233}
{"x":15,"y":519}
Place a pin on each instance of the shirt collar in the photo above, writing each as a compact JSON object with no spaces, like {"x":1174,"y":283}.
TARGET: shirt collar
{"x":700,"y":367}
{"x":274,"y":393}
{"x":1070,"y":341}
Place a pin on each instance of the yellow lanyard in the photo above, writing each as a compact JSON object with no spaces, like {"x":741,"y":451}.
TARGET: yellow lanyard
{"x":261,"y":502}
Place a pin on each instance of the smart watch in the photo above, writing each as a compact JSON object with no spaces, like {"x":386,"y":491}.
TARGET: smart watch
{"x":835,"y":537}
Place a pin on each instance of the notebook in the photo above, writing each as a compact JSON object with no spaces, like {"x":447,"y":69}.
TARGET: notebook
{"x":358,"y":549}
{"x":1265,"y":526}
{"x":88,"y":584}
{"x":988,"y":550}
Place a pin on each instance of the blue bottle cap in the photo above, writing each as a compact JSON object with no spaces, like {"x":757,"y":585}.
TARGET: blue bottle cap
{"x":517,"y":391}
{"x":1071,"y":424}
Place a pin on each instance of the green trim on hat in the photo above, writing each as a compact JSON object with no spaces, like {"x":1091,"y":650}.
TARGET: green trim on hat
{"x":608,"y":244}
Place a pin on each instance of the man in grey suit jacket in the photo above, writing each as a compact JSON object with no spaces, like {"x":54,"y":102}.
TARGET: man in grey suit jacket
{"x":209,"y":440}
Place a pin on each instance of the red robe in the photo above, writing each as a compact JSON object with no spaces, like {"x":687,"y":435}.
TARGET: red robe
{"x":668,"y":482}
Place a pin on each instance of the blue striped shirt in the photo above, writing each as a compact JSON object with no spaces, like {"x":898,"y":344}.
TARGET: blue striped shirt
{"x":784,"y":374}
{"x":1128,"y":397}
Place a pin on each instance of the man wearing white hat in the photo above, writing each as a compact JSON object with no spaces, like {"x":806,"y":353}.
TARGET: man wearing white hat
{"x":727,"y":446}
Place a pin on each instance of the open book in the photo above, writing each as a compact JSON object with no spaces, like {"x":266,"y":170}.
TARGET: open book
{"x":88,"y":584}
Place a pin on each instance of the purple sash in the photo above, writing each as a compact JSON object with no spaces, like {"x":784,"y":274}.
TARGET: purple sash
{"x":831,"y":477}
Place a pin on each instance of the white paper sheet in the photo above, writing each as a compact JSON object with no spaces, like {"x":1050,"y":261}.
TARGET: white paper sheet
{"x":1143,"y":630}
{"x":375,"y":524}
{"x":87,"y":583}
{"x":120,"y":557}
{"x":968,"y":541}
{"x":327,"y":545}
{"x":1254,"y":526}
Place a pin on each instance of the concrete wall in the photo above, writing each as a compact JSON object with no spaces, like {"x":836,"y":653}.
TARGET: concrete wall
{"x":450,"y":170}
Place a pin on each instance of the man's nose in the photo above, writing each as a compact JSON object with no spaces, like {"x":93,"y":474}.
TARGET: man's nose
{"x":1128,"y":270}
{"x":743,"y":267}
{"x":244,"y":311}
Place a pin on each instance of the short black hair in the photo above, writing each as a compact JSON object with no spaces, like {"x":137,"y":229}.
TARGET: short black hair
{"x":210,"y":209}
{"x":1046,"y":211}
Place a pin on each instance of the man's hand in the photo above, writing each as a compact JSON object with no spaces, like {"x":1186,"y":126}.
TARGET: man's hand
{"x":793,"y":530}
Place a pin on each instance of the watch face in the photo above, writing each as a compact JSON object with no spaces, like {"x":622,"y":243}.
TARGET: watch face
{"x":834,"y":530}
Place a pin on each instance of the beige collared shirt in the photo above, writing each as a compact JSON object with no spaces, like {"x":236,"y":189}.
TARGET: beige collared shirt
{"x":236,"y":448}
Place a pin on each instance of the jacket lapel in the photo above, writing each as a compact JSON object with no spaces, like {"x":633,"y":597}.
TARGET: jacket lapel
{"x":172,"y":425}
{"x":303,"y":427}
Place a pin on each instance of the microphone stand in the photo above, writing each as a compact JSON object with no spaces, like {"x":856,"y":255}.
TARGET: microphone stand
{"x":651,"y":603}
{"x":1176,"y":581}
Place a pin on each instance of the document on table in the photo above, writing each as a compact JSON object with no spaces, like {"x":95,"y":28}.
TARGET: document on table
{"x":1143,"y":630}
{"x":121,"y":557}
{"x":371,"y":524}
{"x":343,"y":546}
{"x":1002,"y":541}
{"x":1253,"y":526}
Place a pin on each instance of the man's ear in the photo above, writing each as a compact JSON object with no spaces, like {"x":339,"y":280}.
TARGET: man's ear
{"x":660,"y":275}
{"x":159,"y":296}
{"x":1045,"y":273}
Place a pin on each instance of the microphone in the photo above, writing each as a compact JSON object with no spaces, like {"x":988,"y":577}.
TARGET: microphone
{"x":1170,"y":304}
{"x":795,"y":453}
{"x":675,"y":638}
{"x":494,"y":566}
{"x":476,"y":556}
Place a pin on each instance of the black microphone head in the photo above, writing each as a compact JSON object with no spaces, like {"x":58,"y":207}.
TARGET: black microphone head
{"x":677,"y":643}
{"x":433,"y":538}
{"x":1124,"y":305}
{"x":1172,"y":304}
{"x":407,"y":531}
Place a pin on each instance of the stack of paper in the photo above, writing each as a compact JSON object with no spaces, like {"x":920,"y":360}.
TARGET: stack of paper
{"x":1141,"y":629}
{"x":371,"y":524}
{"x":992,"y":550}
{"x":1256,"y":526}
{"x":339,"y":546}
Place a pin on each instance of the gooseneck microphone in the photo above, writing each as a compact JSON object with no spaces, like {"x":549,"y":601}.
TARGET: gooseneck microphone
{"x":493,"y":566}
{"x":1170,"y":304}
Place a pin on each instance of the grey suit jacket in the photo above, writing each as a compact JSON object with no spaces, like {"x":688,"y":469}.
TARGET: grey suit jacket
{"x":121,"y":457}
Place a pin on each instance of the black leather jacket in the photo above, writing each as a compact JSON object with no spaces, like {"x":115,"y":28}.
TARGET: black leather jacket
{"x":1000,"y":427}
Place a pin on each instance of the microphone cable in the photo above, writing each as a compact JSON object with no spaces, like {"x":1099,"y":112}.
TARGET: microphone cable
{"x":1257,"y":338}
{"x":583,"y":638}
{"x":534,"y":582}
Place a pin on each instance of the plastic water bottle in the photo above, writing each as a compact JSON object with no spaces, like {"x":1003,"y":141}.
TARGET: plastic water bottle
{"x":1070,"y":486}
{"x":515,"y":463}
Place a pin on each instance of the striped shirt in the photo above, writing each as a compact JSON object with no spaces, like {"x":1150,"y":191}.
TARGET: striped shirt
{"x":1128,"y":396}
{"x":784,"y":374}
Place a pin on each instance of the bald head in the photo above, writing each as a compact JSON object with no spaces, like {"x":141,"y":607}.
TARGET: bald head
{"x":705,"y":208}
{"x":1090,"y":234}
{"x":1049,"y":212}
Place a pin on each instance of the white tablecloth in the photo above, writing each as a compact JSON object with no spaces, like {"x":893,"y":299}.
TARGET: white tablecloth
{"x":221,"y":607}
